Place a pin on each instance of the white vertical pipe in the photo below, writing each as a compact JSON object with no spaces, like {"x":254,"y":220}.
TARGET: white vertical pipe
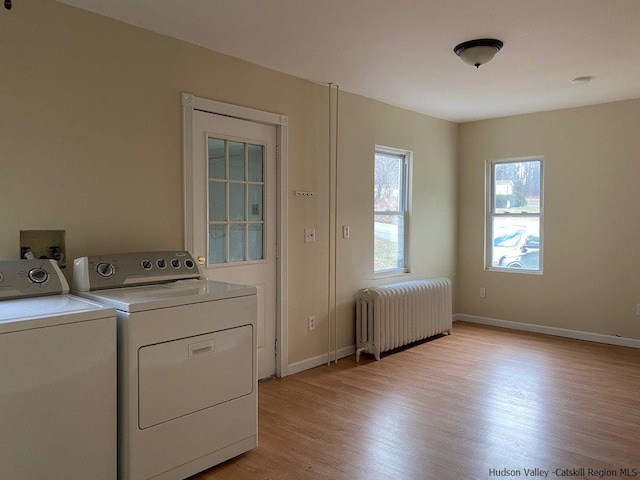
{"x":332,"y":280}
{"x":329,"y":266}
{"x":335,"y":241}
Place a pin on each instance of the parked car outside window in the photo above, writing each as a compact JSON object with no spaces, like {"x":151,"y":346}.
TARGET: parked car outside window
{"x":528,"y":257}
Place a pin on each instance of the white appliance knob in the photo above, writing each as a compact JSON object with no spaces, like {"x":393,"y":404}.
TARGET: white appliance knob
{"x":105,"y":270}
{"x":38,"y":275}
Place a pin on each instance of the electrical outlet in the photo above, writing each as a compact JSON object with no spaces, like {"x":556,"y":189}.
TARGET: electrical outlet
{"x":483,"y":292}
{"x":345,"y":231}
{"x":638,"y":309}
{"x":312,"y":322}
{"x":309,"y":235}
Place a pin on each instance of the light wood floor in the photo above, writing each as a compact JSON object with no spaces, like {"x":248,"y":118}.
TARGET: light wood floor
{"x":453,"y":408}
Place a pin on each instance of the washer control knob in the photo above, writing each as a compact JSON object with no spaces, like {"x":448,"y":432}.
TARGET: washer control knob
{"x":38,"y":275}
{"x":175,"y":263}
{"x":146,"y":264}
{"x":161,"y":263}
{"x":105,"y":270}
{"x":189,"y":263}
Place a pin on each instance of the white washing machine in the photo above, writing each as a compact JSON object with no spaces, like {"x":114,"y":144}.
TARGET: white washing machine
{"x":57,"y":378}
{"x":187,"y":376}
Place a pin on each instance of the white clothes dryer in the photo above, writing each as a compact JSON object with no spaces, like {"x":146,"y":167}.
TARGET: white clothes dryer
{"x":187,"y":365}
{"x":57,"y":378}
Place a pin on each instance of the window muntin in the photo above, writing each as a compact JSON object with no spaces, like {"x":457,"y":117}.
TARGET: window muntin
{"x":514,"y":215}
{"x":391,"y":182}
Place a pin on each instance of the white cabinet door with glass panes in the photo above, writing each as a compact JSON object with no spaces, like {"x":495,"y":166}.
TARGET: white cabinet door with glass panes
{"x":235,"y":213}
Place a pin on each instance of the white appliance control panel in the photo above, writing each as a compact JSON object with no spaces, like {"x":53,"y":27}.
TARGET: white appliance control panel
{"x":129,"y":269}
{"x":31,"y":278}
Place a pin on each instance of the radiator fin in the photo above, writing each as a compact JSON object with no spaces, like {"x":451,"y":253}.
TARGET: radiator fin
{"x":394,"y":315}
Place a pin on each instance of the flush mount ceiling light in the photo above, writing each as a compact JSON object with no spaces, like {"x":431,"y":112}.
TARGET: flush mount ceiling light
{"x":478,"y":52}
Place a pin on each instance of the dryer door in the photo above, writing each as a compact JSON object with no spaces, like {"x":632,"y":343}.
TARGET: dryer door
{"x":183,"y":376}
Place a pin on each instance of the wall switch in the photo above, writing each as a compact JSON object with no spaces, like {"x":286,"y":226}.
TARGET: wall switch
{"x":309,"y":235}
{"x":345,"y":231}
{"x":483,"y":292}
{"x":312,"y":322}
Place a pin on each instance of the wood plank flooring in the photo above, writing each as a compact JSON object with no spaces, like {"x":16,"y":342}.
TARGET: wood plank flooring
{"x":482,"y":403}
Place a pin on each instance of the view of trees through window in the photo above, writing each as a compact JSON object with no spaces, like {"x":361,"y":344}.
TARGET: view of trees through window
{"x":517,"y":185}
{"x":390,"y":205}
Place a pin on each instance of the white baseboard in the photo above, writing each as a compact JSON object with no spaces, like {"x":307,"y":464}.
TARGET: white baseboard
{"x":527,"y":327}
{"x":559,"y":332}
{"x":319,"y":360}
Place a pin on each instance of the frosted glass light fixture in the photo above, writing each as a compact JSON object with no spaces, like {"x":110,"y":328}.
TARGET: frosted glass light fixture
{"x":478,"y":52}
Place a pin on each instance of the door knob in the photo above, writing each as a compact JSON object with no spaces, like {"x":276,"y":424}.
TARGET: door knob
{"x":201,"y":260}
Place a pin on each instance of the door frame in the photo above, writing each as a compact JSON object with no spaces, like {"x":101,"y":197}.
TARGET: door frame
{"x":281,"y":122}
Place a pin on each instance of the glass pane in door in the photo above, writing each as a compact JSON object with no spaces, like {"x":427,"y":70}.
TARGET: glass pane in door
{"x":217,"y":242}
{"x":217,"y":201}
{"x":236,"y":161}
{"x":236,"y":242}
{"x":255,"y":203}
{"x":255,"y":163}
{"x":237,"y":207}
{"x":217,"y":158}
{"x":255,"y":242}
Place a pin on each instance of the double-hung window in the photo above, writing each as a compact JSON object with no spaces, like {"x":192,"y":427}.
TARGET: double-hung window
{"x":514,"y":215}
{"x":391,"y":207}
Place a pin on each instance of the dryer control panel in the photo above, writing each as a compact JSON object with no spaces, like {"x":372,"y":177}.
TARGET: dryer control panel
{"x":129,"y":269}
{"x":31,"y":278}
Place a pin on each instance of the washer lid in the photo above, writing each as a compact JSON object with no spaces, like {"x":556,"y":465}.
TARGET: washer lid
{"x":38,"y":312}
{"x":182,"y":292}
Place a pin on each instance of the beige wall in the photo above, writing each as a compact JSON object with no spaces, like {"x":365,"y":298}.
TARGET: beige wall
{"x":90,"y":142}
{"x":591,"y":228}
{"x":433,"y":195}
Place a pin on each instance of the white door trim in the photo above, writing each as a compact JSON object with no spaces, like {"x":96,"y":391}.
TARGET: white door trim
{"x":191,"y":103}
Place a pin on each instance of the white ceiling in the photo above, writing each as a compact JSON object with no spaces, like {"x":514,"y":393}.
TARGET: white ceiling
{"x":401,"y":51}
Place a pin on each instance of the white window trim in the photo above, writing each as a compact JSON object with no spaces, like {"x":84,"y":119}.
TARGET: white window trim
{"x":490,"y":188}
{"x":408,"y":156}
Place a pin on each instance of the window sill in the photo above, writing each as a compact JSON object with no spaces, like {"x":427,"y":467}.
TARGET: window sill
{"x":401,"y":272}
{"x":514,"y":270}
